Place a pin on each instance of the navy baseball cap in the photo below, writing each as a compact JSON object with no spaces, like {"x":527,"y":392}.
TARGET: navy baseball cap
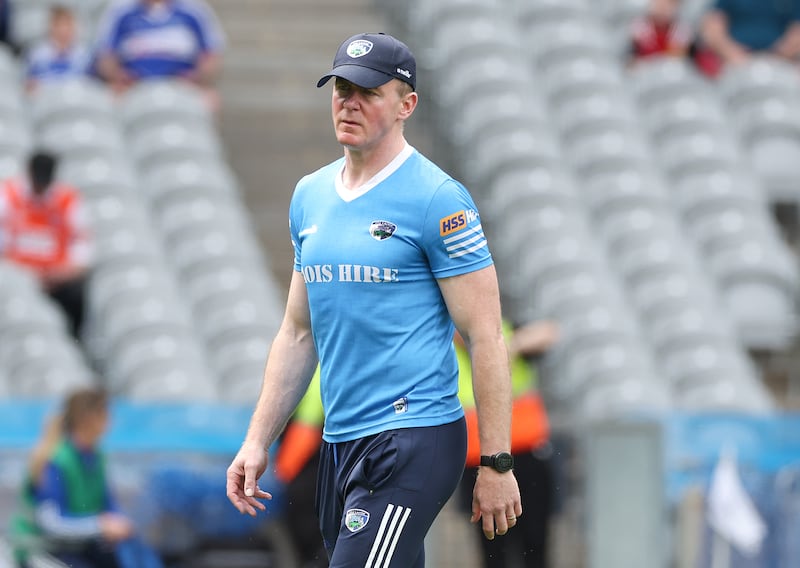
{"x":372,"y":59}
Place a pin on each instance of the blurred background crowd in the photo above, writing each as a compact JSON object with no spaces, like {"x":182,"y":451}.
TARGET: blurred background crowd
{"x":636,"y":164}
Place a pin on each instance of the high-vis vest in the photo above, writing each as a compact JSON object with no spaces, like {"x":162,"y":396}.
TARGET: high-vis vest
{"x":37,"y":232}
{"x":530,"y":427}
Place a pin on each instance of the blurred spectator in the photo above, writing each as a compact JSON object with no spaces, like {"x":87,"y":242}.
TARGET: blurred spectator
{"x":526,"y":545}
{"x":733,"y":30}
{"x":60,"y":54}
{"x":296,"y":465}
{"x":5,"y":22}
{"x":43,"y":227}
{"x":149,"y":39}
{"x":69,"y":511}
{"x":660,"y":31}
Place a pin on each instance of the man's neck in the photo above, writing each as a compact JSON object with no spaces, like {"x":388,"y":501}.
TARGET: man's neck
{"x":362,"y":165}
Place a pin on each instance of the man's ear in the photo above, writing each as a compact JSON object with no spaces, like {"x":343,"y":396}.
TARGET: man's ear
{"x":408,"y":104}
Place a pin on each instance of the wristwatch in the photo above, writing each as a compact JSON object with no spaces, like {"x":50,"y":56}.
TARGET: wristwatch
{"x":501,"y":461}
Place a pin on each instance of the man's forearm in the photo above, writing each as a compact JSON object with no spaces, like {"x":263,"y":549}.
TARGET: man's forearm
{"x":491,"y":382}
{"x":288,"y":372}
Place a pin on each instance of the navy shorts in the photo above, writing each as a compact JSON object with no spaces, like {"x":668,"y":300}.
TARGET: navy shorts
{"x":377,"y":496}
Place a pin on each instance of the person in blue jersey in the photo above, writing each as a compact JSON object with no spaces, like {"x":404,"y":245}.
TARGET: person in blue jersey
{"x":390,"y":259}
{"x":157,"y":39}
{"x":60,"y":55}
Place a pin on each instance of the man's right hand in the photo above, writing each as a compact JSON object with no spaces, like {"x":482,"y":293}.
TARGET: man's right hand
{"x":115,"y":527}
{"x":242,"y":477}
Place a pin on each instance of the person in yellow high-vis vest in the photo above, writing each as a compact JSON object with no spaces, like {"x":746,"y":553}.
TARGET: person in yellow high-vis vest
{"x":530,"y":435}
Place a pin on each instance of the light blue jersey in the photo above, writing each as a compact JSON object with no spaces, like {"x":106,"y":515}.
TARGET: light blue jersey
{"x":370,"y":260}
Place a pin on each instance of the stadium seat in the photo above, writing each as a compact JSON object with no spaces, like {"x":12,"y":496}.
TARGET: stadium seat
{"x":625,"y":189}
{"x":606,"y":150}
{"x":528,"y":12}
{"x":597,"y":111}
{"x":527,"y":188}
{"x":96,"y":175}
{"x":71,"y":100}
{"x":662,"y":79}
{"x":495,"y":109}
{"x":684,"y":114}
{"x":84,"y":138}
{"x":550,"y":44}
{"x":165,"y":142}
{"x":579,"y":76}
{"x":688,"y":154}
{"x":488,"y":156}
{"x":176,"y":181}
{"x":762,"y":77}
{"x":460,"y":37}
{"x":150,"y":103}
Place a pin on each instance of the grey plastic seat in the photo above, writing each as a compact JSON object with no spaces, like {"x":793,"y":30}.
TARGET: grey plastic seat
{"x":670,"y":293}
{"x":741,"y":85}
{"x":770,"y":131}
{"x":83,"y":138}
{"x":170,"y":381}
{"x":71,"y":99}
{"x":608,"y":359}
{"x":469,"y":76}
{"x":628,"y":394}
{"x":473,"y":33}
{"x":149,"y":103}
{"x":576,"y":77}
{"x":689,"y":154}
{"x":685,"y":114}
{"x":710,"y":361}
{"x":631,"y":226}
{"x":96,"y":174}
{"x":602,"y":151}
{"x":16,"y":138}
{"x":491,"y":155}
{"x":597,"y":111}
{"x":179,"y":180}
{"x":528,"y":12}
{"x":653,"y":258}
{"x":126,"y":243}
{"x":529,"y":187}
{"x":690,"y":324}
{"x":732,"y":226}
{"x":553,"y":43}
{"x":237,"y":317}
{"x":425,"y":15}
{"x":717,"y":188}
{"x":725,"y":396}
{"x":166,"y":142}
{"x":663,"y":78}
{"x":145,"y":316}
{"x":110,"y":284}
{"x":497,"y":110}
{"x":624,"y":189}
{"x":575,"y":292}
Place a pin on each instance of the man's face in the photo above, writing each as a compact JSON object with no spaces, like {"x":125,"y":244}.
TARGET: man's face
{"x":363,"y":117}
{"x":62,"y":30}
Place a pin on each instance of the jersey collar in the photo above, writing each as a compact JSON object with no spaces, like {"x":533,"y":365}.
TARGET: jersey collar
{"x":351,"y":194}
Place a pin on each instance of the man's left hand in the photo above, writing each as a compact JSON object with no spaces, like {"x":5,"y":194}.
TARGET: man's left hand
{"x":496,"y":501}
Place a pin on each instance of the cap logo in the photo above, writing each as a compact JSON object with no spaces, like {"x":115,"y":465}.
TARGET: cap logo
{"x":359,"y":48}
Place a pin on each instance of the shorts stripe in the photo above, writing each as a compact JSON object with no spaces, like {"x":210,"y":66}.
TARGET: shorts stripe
{"x":388,"y":534}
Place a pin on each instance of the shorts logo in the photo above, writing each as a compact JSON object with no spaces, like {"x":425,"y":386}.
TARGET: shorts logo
{"x":382,"y":230}
{"x":359,"y":48}
{"x":356,"y":519}
{"x":400,"y":405}
{"x":452,"y":223}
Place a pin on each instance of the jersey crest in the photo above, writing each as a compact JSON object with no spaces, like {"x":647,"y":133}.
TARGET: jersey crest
{"x":382,"y":230}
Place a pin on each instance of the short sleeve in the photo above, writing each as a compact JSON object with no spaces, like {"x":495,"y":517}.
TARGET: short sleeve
{"x":293,"y":224}
{"x":453,"y":236}
{"x":208,"y":29}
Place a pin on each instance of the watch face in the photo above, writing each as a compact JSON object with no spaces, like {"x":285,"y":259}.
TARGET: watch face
{"x":503,"y":461}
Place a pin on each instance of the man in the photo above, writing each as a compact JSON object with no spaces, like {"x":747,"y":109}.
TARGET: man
{"x":60,"y":55}
{"x":44,"y":228}
{"x":389,"y":255}
{"x":152,"y":39}
{"x":735,"y":29}
{"x":530,"y":446}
